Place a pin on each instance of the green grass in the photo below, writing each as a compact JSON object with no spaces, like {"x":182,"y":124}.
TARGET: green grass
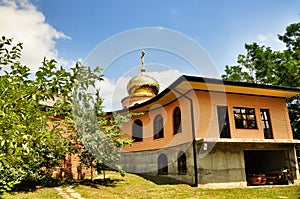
{"x":135,"y":186}
{"x":44,"y":193}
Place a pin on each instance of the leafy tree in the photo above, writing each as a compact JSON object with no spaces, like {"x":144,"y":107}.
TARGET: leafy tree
{"x":100,"y":136}
{"x":263,"y":65}
{"x":32,"y":141}
{"x":28,"y":148}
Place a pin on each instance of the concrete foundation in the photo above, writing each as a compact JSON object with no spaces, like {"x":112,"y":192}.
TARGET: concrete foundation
{"x":219,"y":164}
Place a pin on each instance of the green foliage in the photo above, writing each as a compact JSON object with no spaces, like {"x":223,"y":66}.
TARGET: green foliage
{"x":100,"y":136}
{"x":263,"y":65}
{"x":28,"y":147}
{"x":39,"y":114}
{"x":235,"y":73}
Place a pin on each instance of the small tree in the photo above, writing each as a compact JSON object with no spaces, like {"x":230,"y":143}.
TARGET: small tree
{"x":100,"y":136}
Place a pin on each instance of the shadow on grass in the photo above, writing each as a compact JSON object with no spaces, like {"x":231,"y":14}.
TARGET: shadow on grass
{"x":107,"y":182}
{"x":96,"y":183}
{"x":161,"y":180}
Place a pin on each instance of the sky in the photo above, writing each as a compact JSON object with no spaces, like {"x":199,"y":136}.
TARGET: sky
{"x":93,"y":32}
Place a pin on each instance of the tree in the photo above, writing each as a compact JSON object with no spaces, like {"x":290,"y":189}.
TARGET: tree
{"x":263,"y":65}
{"x":100,"y":136}
{"x":28,"y":148}
{"x":32,"y":142}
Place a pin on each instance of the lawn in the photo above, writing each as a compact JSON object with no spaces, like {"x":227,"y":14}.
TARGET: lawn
{"x":44,"y":193}
{"x":134,"y":186}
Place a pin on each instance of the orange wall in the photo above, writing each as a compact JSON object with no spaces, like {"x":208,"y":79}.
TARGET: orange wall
{"x":169,"y":139}
{"x":208,"y":122}
{"x":205,"y":119}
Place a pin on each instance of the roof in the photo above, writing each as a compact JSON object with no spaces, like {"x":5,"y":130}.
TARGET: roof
{"x":186,"y":83}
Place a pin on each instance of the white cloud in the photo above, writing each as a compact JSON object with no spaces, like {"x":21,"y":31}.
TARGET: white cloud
{"x":270,"y":40}
{"x":165,"y":78}
{"x":113,"y":91}
{"x":264,"y":38}
{"x":21,"y":21}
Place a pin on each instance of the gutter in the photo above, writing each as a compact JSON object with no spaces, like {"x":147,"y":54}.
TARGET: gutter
{"x":248,"y":140}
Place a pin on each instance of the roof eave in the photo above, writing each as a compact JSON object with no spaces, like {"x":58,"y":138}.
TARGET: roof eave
{"x":286,"y":92}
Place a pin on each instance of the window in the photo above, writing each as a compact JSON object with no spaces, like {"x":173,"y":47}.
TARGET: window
{"x":162,"y":164}
{"x":177,"y":120}
{"x":244,"y":118}
{"x":182,"y":168}
{"x":158,"y":127}
{"x":223,"y":121}
{"x":266,"y":123}
{"x":137,"y":131}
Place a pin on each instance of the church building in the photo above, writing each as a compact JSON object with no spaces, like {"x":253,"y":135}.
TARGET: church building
{"x":206,"y":131}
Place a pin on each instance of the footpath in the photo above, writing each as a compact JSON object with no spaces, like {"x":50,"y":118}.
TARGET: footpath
{"x":68,"y":193}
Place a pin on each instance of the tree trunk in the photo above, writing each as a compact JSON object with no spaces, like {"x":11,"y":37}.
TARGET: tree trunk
{"x":91,"y":166}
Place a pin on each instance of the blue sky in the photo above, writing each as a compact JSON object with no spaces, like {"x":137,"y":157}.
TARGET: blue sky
{"x":70,"y":30}
{"x":221,"y":27}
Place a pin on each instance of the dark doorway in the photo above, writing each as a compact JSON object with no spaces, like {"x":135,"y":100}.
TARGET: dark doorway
{"x":223,"y":120}
{"x":266,"y":166}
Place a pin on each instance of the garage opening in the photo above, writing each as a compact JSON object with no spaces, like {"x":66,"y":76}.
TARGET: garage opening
{"x":267,"y":167}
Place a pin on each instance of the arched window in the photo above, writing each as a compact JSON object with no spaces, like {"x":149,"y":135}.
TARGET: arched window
{"x":162,"y":164}
{"x":177,"y":120}
{"x":158,"y":127}
{"x":182,"y":168}
{"x":137,"y":131}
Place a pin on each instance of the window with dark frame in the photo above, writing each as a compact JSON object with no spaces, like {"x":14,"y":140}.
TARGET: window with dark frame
{"x":182,"y":168}
{"x":266,"y":123}
{"x":158,"y":127}
{"x":137,"y":131}
{"x":223,"y":120}
{"x":177,"y":120}
{"x":244,"y":118}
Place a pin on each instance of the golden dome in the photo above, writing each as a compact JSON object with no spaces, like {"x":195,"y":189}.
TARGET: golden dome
{"x":142,"y":85}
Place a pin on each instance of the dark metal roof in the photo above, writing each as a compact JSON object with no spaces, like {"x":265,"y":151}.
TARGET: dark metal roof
{"x":185,"y":83}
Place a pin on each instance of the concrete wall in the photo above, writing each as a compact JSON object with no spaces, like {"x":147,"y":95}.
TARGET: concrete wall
{"x":225,"y":163}
{"x":220,"y":164}
{"x":147,"y":162}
